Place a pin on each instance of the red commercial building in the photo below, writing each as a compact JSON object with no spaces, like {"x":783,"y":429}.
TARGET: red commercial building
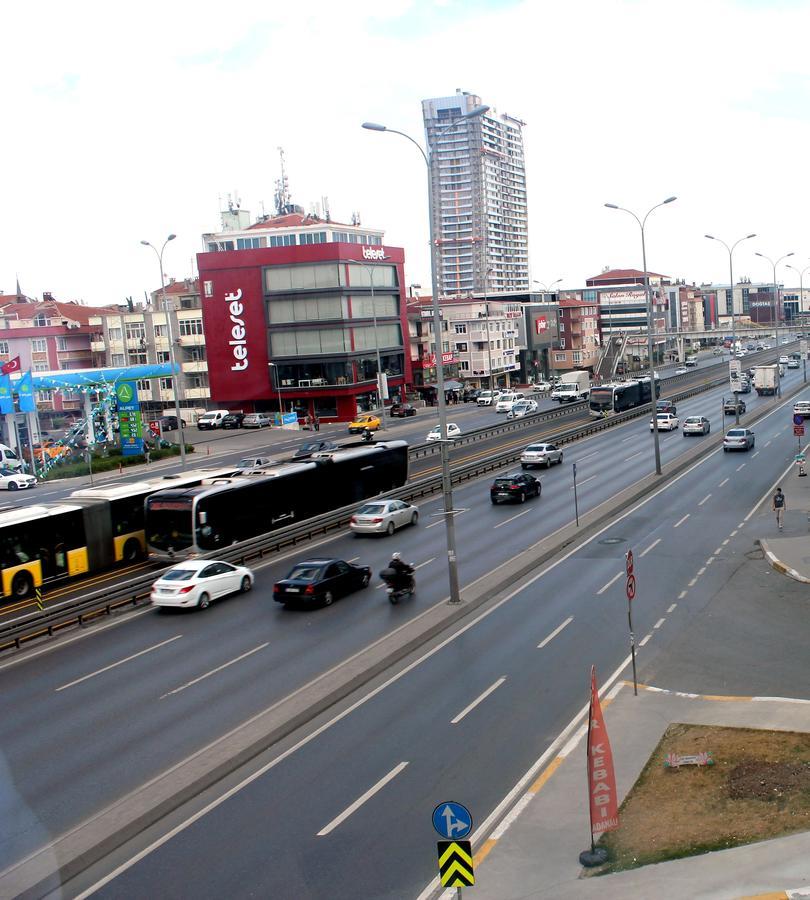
{"x":300,"y":327}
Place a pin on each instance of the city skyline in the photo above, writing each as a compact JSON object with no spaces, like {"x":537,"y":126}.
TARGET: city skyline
{"x":147,"y":132}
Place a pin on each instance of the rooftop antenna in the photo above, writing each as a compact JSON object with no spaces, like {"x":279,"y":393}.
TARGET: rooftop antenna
{"x":327,"y":214}
{"x":282,"y":194}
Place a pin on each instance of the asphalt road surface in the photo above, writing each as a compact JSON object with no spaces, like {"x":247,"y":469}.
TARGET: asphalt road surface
{"x":125,"y":701}
{"x":347,"y":813}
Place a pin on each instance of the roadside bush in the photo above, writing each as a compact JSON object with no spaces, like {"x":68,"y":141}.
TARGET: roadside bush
{"x":107,"y":462}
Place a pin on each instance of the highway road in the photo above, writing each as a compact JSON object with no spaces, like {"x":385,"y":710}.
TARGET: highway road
{"x":343,"y":809}
{"x":154,"y":687}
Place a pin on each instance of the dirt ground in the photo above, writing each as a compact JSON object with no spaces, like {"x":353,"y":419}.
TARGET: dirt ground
{"x":758,"y":788}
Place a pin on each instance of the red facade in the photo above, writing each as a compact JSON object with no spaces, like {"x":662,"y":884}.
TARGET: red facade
{"x":234,"y":303}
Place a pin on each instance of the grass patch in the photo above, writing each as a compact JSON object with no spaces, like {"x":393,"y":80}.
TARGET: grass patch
{"x":111,"y":461}
{"x":758,"y":788}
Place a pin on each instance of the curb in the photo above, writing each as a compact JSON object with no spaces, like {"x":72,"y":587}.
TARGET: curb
{"x":777,"y":564}
{"x":97,"y":837}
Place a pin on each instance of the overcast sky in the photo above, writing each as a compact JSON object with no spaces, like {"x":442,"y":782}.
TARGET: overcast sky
{"x":123,"y":123}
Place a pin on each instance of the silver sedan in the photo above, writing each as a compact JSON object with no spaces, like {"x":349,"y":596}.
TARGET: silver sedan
{"x":383,"y":517}
{"x":540,"y":455}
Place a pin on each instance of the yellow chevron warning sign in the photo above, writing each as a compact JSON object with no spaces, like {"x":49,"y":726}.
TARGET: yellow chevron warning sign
{"x":456,"y":864}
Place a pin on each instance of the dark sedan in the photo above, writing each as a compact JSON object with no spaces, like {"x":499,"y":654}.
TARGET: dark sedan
{"x":321,"y":581}
{"x":517,"y":486}
{"x":233,"y":420}
{"x":169,"y":423}
{"x":306,"y":450}
{"x":401,"y":410}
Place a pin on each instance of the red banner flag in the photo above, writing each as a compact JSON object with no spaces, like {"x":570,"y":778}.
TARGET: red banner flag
{"x":13,"y":365}
{"x":601,"y":777}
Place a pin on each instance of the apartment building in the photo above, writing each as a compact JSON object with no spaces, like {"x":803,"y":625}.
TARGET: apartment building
{"x":478,"y":185}
{"x":577,"y":344}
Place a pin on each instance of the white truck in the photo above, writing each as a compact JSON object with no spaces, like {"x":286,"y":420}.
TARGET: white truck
{"x":573,"y":386}
{"x":766,"y":379}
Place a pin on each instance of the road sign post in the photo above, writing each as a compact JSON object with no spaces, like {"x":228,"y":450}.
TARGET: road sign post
{"x":630,"y":590}
{"x":576,"y":505}
{"x":454,"y":822}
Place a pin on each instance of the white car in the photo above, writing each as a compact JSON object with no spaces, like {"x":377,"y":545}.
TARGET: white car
{"x":507,"y":400}
{"x":696,"y":425}
{"x":522,"y":408}
{"x":802,"y":408}
{"x":793,"y":363}
{"x":681,"y":370}
{"x":487,"y":398}
{"x":453,"y":431}
{"x":540,"y":455}
{"x":785,"y":360}
{"x":542,"y":387}
{"x":383,"y":517}
{"x":666,"y":422}
{"x":196,"y":582}
{"x":15,"y":481}
{"x":253,"y":463}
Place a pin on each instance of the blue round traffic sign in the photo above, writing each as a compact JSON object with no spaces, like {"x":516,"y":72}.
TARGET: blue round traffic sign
{"x":798,"y":419}
{"x":452,"y":820}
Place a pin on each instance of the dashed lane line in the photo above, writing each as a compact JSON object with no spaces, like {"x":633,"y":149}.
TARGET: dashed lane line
{"x":479,"y":699}
{"x":682,"y":594}
{"x":740,"y":467}
{"x":628,"y":458}
{"x":208,"y":674}
{"x":557,"y":630}
{"x":120,"y":662}
{"x":681,"y":521}
{"x":724,"y":481}
{"x":654,"y":544}
{"x":361,"y":800}
{"x":644,"y":640}
{"x":585,"y":481}
{"x":612,"y":581}
{"x":754,"y":455}
{"x":704,"y":499}
{"x":421,"y":565}
{"x":659,"y":623}
{"x":512,"y":518}
{"x":671,"y":607}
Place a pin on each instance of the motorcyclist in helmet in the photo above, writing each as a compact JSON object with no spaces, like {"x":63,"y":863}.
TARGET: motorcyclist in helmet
{"x":404,"y":571}
{"x":367,"y":435}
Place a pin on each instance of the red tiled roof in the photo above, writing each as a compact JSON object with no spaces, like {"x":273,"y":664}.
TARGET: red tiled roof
{"x":181,"y":287}
{"x":52,"y":309}
{"x":613,"y":274}
{"x":292,"y":220}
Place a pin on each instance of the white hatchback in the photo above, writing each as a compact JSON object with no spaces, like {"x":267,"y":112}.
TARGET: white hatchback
{"x":196,"y":582}
{"x":453,"y":431}
{"x":666,"y":422}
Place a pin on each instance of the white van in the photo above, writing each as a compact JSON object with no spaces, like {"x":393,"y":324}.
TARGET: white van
{"x":487,"y":398}
{"x":507,"y":401}
{"x":9,"y":459}
{"x":211,"y":419}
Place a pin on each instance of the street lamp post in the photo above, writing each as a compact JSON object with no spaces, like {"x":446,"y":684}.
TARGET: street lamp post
{"x":447,"y":489}
{"x":278,"y":391}
{"x":546,"y":290}
{"x":370,"y":271}
{"x":801,"y":304}
{"x":170,"y":333}
{"x":650,"y":321}
{"x":731,"y":294}
{"x":776,"y":310}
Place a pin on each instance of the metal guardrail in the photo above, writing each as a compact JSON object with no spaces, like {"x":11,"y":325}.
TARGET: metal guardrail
{"x":103,"y":602}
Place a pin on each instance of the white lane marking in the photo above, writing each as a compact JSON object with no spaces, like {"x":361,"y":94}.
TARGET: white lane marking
{"x":479,"y":699}
{"x":505,"y":803}
{"x":681,"y":521}
{"x":671,"y":607}
{"x":353,"y":559}
{"x":659,"y":623}
{"x":701,"y":570}
{"x":724,"y":481}
{"x":710,"y":560}
{"x":421,"y":565}
{"x":589,"y":456}
{"x":512,"y":519}
{"x":632,"y":436}
{"x":584,"y":481}
{"x":655,"y":543}
{"x":456,"y":514}
{"x":557,"y":630}
{"x":704,"y":499}
{"x":766,"y":495}
{"x":226,"y":665}
{"x":693,"y":582}
{"x":361,"y":800}
{"x":755,"y":454}
{"x":725,"y":542}
{"x":682,"y":595}
{"x":119,"y":663}
{"x":745,"y":519}
{"x":740,"y":467}
{"x":612,"y":581}
{"x":644,"y":640}
{"x":628,"y":458}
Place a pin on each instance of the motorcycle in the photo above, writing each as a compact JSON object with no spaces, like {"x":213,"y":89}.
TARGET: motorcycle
{"x":398,"y":586}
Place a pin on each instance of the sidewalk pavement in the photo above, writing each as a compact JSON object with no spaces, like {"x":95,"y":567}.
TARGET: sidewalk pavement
{"x":534,"y":853}
{"x":788,"y":551}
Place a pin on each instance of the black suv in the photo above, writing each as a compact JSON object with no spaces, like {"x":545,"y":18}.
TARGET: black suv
{"x":233,"y":420}
{"x":517,"y":486}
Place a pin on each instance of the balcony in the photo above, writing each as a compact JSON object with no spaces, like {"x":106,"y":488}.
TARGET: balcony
{"x":195,"y":365}
{"x":191,"y":340}
{"x":98,"y":346}
{"x":199,"y":393}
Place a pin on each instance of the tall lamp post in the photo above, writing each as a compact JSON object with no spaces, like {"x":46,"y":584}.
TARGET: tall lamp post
{"x":650,"y":321}
{"x":730,"y":250}
{"x":170,"y":333}
{"x":447,"y":489}
{"x":274,"y":367}
{"x":370,"y":272}
{"x":546,"y":290}
{"x":776,"y":309}
{"x":801,"y":304}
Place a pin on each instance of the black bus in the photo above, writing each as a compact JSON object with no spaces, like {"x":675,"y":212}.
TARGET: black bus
{"x":187,"y":522}
{"x":608,"y":399}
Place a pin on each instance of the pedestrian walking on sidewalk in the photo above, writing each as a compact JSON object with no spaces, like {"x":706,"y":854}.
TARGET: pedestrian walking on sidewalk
{"x":779,"y":505}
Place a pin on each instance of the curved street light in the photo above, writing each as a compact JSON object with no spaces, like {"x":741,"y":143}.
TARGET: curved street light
{"x":650,"y":322}
{"x":776,"y":308}
{"x":447,"y":490}
{"x":730,"y":250}
{"x":175,"y":371}
{"x":546,"y":290}
{"x":801,"y":304}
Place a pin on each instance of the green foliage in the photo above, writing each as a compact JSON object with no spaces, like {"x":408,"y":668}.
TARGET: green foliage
{"x":105,"y":463}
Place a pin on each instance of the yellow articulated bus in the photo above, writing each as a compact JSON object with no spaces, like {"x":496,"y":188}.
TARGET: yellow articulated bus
{"x":94,"y":529}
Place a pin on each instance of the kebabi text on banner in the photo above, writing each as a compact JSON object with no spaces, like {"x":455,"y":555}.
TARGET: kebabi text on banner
{"x":601,"y":777}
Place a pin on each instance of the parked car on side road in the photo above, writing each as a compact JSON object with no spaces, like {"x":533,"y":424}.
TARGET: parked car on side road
{"x":233,"y":420}
{"x":320,"y":581}
{"x":212,"y":419}
{"x":196,"y":582}
{"x":383,"y":517}
{"x":257,"y":420}
{"x":169,"y":423}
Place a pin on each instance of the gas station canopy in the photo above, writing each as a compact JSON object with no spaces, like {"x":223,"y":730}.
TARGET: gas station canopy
{"x":81,"y":379}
